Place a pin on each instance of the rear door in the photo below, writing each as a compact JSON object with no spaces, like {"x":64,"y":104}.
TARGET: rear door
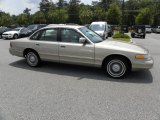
{"x":46,"y":44}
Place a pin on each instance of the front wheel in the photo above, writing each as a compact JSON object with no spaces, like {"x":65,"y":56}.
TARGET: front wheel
{"x":116,"y":67}
{"x":132,"y":35}
{"x":15,"y":36}
{"x":32,"y":59}
{"x":143,"y":36}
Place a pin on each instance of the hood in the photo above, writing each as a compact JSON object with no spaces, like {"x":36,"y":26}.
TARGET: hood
{"x":122,"y":46}
{"x":100,"y":32}
{"x":11,"y":32}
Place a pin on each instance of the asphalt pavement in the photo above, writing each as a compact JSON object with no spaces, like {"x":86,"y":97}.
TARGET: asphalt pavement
{"x":68,"y":92}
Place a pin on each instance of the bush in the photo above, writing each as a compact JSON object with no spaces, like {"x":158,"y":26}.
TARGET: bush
{"x":120,"y":35}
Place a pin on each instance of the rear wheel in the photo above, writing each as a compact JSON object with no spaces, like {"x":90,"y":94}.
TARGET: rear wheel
{"x":117,"y":67}
{"x":32,"y":59}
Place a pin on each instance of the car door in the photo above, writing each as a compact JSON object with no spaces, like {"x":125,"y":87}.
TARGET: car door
{"x":71,"y":51}
{"x":46,"y":44}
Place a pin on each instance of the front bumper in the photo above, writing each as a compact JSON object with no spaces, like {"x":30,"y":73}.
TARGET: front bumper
{"x":7,"y":36}
{"x":148,"y":64}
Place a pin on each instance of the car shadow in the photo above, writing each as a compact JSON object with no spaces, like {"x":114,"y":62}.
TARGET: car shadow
{"x":84,"y":72}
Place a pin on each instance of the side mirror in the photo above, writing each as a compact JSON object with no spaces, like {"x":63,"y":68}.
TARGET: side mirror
{"x":82,"y":40}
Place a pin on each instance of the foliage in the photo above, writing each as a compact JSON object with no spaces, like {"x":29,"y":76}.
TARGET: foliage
{"x":136,"y":12}
{"x":58,"y":16}
{"x":99,"y":14}
{"x":114,"y":14}
{"x":22,"y":19}
{"x":145,"y":17}
{"x":120,"y":35}
{"x":85,"y":15}
{"x":5,"y":19}
{"x":73,"y":13}
{"x":39,"y":18}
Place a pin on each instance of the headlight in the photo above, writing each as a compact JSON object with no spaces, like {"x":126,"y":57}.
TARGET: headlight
{"x":143,"y":56}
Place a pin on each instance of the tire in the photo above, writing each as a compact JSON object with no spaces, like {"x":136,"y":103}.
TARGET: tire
{"x":132,"y":35}
{"x":0,"y":36}
{"x":143,"y":36}
{"x":15,"y":36}
{"x":33,"y":59}
{"x":117,"y":67}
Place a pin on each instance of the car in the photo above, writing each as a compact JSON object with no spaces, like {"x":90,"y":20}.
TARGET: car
{"x":4,"y":29}
{"x":125,"y":28}
{"x":158,"y":29}
{"x":148,"y":29}
{"x":87,"y":25}
{"x":81,"y":46}
{"x":100,"y":28}
{"x":110,"y":31}
{"x":31,"y":29}
{"x":12,"y":34}
{"x":138,"y":31}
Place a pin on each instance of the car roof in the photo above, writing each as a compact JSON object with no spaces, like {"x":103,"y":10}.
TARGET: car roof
{"x":63,"y":26}
{"x":100,"y":22}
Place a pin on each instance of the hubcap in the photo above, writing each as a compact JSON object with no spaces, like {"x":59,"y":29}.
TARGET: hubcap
{"x":16,"y":36}
{"x":116,"y":68}
{"x":32,"y":59}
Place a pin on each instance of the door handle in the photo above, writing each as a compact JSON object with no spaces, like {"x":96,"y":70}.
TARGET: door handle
{"x":37,"y":44}
{"x":63,"y":46}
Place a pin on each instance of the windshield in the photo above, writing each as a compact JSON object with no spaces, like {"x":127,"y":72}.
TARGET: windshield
{"x":24,"y":30}
{"x":31,"y":27}
{"x":95,"y":38}
{"x":16,"y":29}
{"x":97,"y":27}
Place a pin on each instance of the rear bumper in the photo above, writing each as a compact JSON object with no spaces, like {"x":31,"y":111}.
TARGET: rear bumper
{"x":15,"y":52}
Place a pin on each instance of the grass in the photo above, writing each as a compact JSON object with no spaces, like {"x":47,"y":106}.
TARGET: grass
{"x":121,"y":37}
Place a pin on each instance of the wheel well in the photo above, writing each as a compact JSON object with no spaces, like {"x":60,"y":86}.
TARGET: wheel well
{"x":27,"y":50}
{"x":117,"y":56}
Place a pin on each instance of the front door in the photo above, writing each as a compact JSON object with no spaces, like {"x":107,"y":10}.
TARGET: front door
{"x":71,"y":51}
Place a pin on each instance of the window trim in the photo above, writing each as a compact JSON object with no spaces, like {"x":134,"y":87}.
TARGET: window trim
{"x":42,"y":30}
{"x":60,"y":33}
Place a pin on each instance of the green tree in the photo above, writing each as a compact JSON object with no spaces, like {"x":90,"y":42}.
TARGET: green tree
{"x":145,"y":17}
{"x":73,"y":13}
{"x":156,"y":12}
{"x":22,"y":19}
{"x":58,"y":16}
{"x":39,"y":18}
{"x":132,"y":6}
{"x":60,"y":3}
{"x":5,"y":19}
{"x":45,"y":6}
{"x":99,"y":14}
{"x":114,"y":14}
{"x":85,"y":15}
